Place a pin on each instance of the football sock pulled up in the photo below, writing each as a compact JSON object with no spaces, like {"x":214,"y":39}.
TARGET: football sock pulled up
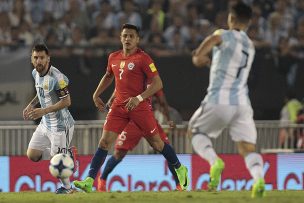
{"x":110,"y":165}
{"x":254,"y":163}
{"x":170,"y":155}
{"x":97,"y":161}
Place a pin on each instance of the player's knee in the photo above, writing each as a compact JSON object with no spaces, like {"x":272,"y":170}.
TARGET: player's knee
{"x":104,"y":144}
{"x":33,"y":157}
{"x":158,"y":146}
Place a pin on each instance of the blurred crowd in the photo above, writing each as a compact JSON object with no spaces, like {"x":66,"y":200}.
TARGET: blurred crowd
{"x":168,"y":27}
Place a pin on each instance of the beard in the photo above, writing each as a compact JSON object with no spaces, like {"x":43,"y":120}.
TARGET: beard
{"x":40,"y":68}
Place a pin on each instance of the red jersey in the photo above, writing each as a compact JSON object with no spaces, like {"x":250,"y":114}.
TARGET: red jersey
{"x":131,"y":74}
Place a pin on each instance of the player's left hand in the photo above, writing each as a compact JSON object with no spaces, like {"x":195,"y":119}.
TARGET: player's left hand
{"x":132,"y":103}
{"x":36,"y":113}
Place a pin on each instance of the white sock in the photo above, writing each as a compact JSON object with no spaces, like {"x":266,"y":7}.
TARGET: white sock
{"x":66,"y":183}
{"x":46,"y":154}
{"x":254,"y":163}
{"x":203,"y":147}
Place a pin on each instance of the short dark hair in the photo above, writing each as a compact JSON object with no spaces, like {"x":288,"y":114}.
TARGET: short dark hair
{"x":40,"y":47}
{"x":130,"y":26}
{"x":242,"y":11}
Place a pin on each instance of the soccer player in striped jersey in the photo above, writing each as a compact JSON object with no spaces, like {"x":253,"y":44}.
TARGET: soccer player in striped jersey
{"x":54,"y":133}
{"x":227,"y":104}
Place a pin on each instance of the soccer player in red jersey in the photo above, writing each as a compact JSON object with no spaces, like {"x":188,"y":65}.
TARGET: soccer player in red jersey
{"x":131,"y":68}
{"x":129,"y":138}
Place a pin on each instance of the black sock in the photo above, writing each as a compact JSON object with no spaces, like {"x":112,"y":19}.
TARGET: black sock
{"x":170,"y":155}
{"x":97,"y":161}
{"x":110,"y":165}
{"x":171,"y":168}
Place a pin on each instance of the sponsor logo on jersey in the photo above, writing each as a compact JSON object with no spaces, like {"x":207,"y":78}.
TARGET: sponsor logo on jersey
{"x":131,"y":65}
{"x":46,"y":84}
{"x":122,"y":64}
{"x":152,"y":67}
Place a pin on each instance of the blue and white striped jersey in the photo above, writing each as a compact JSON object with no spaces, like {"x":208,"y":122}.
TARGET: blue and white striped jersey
{"x":47,"y":90}
{"x":230,"y":67}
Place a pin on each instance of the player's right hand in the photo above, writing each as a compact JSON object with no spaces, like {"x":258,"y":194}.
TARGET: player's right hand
{"x":99,"y":103}
{"x":26,"y":111}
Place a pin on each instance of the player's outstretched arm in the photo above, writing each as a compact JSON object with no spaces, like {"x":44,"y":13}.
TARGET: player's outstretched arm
{"x":200,"y":56}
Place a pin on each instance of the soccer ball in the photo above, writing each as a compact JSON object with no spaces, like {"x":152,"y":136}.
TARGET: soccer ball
{"x":61,"y":166}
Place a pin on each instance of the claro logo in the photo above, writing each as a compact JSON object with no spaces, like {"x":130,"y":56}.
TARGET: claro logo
{"x":8,"y":97}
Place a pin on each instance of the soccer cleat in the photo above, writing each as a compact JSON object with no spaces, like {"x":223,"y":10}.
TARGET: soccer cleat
{"x":182,"y":174}
{"x":215,"y":174}
{"x":179,"y":188}
{"x":258,"y":189}
{"x":73,"y":153}
{"x":102,"y":185}
{"x":85,"y":185}
{"x":63,"y":190}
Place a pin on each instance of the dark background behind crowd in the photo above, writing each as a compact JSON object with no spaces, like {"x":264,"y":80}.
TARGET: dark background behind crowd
{"x":80,"y":34}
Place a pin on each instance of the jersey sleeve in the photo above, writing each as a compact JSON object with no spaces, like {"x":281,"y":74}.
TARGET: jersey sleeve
{"x":223,"y":34}
{"x":34,"y":73}
{"x":61,"y":85}
{"x":109,"y":68}
{"x":149,"y":67}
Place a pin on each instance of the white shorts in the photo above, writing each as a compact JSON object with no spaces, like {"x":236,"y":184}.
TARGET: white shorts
{"x":212,"y":119}
{"x":57,"y":141}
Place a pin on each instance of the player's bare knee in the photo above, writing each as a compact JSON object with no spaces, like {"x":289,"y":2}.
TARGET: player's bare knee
{"x":158,"y":146}
{"x":33,"y":157}
{"x":104,"y":144}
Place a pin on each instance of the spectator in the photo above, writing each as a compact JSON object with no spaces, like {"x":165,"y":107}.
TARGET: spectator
{"x":36,"y":9}
{"x":102,"y":38}
{"x":129,"y":14}
{"x":156,"y":45}
{"x":155,"y":17}
{"x":177,"y":29}
{"x":77,"y":41}
{"x":299,"y":11}
{"x":288,"y":116}
{"x":6,"y":6}
{"x":287,"y":18}
{"x":105,"y":17}
{"x":79,"y":14}
{"x":18,"y":14}
{"x":65,"y":27}
{"x":57,"y":9}
{"x":274,"y":30}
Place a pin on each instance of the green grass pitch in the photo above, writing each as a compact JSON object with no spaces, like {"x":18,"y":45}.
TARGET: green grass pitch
{"x":133,"y":197}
